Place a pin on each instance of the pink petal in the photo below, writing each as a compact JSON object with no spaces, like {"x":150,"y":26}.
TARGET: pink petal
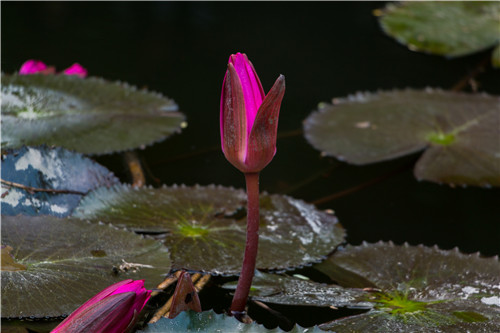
{"x":32,"y":66}
{"x":76,"y":69}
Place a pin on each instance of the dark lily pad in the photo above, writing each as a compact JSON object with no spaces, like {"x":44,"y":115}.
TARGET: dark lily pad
{"x":209,"y":322}
{"x":44,"y":168}
{"x":206,"y":226}
{"x":460,"y":131}
{"x":451,"y":29}
{"x":89,"y":115}
{"x":67,"y":261}
{"x":419,"y":289}
{"x":286,"y":290}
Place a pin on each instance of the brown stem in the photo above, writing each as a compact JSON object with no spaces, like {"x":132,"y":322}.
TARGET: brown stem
{"x":32,"y":190}
{"x":134,"y":165}
{"x":252,"y":243}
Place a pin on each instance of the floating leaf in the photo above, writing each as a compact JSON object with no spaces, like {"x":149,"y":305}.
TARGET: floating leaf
{"x":209,"y":322}
{"x":419,"y":289}
{"x":206,"y":226}
{"x":281,"y":289}
{"x":460,"y":130}
{"x":89,"y":115}
{"x":445,"y":28}
{"x":68,"y":261}
{"x":45,"y":168}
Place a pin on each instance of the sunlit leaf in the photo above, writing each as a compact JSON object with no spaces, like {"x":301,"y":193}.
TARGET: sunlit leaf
{"x":460,"y":131}
{"x":452,"y":28}
{"x":206,"y":226}
{"x":68,"y":261}
{"x":89,"y":115}
{"x":45,"y":168}
{"x":281,"y":289}
{"x":209,"y":322}
{"x":419,"y":289}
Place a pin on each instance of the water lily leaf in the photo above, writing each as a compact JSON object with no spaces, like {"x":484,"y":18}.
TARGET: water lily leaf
{"x":286,"y":290}
{"x":206,"y":226}
{"x":89,"y":115}
{"x":460,"y":131}
{"x":35,"y":170}
{"x":67,"y":261}
{"x":419,"y":289}
{"x":495,"y":57}
{"x":209,"y":322}
{"x":444,"y":28}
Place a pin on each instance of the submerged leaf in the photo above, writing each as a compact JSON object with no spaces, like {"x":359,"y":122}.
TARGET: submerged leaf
{"x":68,"y":261}
{"x":419,"y":289}
{"x":281,"y":289}
{"x":206,"y":226}
{"x":89,"y":115}
{"x":209,"y":321}
{"x":46,"y":168}
{"x":460,"y":131}
{"x":452,"y":29}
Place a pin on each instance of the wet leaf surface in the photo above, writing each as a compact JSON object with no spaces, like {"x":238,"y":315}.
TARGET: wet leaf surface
{"x":209,"y":322}
{"x":68,"y":261}
{"x":205,"y":230}
{"x":460,"y":131}
{"x":89,"y":115}
{"x":452,"y":29}
{"x":286,"y":290}
{"x":49,"y":169}
{"x":419,"y":289}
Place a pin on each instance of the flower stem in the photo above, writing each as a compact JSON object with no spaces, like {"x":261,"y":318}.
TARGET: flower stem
{"x":252,"y":243}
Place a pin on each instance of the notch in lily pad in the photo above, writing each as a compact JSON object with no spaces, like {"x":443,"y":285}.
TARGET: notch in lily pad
{"x":458,"y":131}
{"x":91,"y":115}
{"x":203,"y":233}
{"x":417,"y":289}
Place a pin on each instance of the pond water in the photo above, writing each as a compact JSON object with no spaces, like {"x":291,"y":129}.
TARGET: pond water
{"x":325,"y":50}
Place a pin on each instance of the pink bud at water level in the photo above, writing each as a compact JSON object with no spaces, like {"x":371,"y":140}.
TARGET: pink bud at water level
{"x":248,"y":117}
{"x":76,"y":69}
{"x":32,"y":67}
{"x":113,"y":310}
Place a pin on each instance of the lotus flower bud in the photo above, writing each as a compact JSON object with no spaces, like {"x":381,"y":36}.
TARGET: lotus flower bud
{"x":76,"y":69}
{"x":113,"y":310}
{"x":248,"y":117}
{"x":32,"y":67}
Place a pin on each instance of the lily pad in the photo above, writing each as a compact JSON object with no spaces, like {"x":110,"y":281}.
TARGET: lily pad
{"x":30,"y":172}
{"x":61,"y":263}
{"x":286,"y":290}
{"x":451,"y":29}
{"x":209,"y":322}
{"x":206,"y":226}
{"x":460,"y":131}
{"x":419,"y":289}
{"x":89,"y":115}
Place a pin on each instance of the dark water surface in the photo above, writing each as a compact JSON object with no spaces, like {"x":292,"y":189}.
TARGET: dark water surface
{"x":325,"y":50}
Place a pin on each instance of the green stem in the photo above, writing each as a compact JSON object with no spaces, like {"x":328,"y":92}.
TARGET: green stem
{"x":252,"y":243}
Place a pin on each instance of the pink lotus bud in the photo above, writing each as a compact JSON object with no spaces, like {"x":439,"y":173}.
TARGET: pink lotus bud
{"x":248,"y":118}
{"x":113,"y":310}
{"x":32,"y":66}
{"x":76,"y":69}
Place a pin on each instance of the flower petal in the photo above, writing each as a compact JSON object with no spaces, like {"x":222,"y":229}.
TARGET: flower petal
{"x":262,"y":140}
{"x":76,"y":69}
{"x":32,"y":66}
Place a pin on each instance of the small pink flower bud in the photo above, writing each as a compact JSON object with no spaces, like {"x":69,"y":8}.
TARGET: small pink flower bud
{"x":248,"y":117}
{"x":113,"y":310}
{"x":32,"y":67}
{"x":76,"y":69}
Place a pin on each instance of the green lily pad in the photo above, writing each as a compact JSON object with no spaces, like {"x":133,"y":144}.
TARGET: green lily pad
{"x":46,"y":168}
{"x":451,"y":29}
{"x":209,"y":322}
{"x":286,"y":290}
{"x":206,"y":226}
{"x":67,"y":261}
{"x":89,"y":115}
{"x":460,"y":131}
{"x":419,"y":289}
